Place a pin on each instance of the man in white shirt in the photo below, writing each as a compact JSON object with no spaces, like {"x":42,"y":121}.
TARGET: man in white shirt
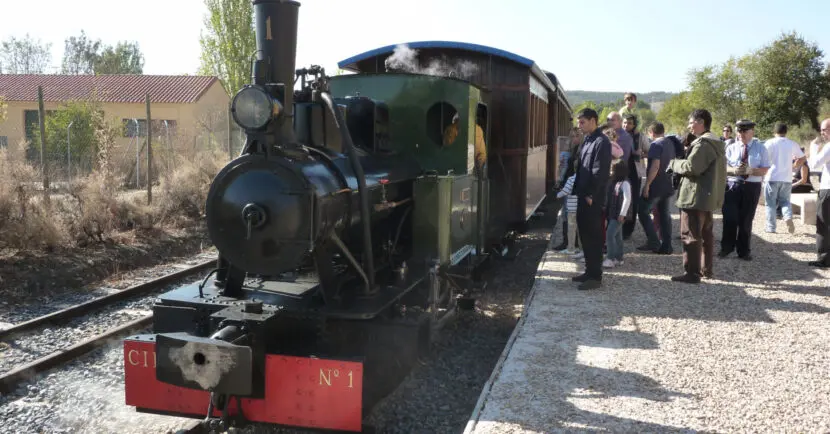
{"x":820,"y":160}
{"x":782,"y":151}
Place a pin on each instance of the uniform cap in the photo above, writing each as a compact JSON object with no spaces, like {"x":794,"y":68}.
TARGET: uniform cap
{"x":744,"y":124}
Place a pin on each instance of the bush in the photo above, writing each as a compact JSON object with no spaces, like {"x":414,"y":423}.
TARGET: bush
{"x":26,"y":220}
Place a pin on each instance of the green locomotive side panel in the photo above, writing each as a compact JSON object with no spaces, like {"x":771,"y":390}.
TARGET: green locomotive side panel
{"x":421,"y":108}
{"x":445,"y":221}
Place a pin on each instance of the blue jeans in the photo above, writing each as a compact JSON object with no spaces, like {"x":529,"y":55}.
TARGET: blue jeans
{"x":777,"y":193}
{"x":644,"y":212}
{"x":614,"y":240}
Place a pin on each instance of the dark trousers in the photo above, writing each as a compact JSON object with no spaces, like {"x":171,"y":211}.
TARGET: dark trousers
{"x":698,"y":241}
{"x":823,"y":227}
{"x":630,"y":225}
{"x":739,"y":204}
{"x":590,"y":225}
{"x":662,"y":204}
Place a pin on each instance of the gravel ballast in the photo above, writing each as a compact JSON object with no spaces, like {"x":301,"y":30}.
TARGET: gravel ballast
{"x":31,"y":345}
{"x":745,"y":351}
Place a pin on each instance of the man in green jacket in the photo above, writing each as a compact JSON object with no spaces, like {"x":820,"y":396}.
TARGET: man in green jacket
{"x":703,"y":175}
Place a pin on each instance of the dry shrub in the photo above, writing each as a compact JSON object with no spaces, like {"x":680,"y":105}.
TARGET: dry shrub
{"x":184,"y":190}
{"x":26,"y":220}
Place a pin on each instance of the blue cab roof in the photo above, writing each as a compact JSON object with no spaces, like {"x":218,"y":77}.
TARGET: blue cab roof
{"x":350,"y":63}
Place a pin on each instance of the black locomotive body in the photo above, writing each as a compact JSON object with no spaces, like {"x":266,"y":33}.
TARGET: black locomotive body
{"x":337,"y":233}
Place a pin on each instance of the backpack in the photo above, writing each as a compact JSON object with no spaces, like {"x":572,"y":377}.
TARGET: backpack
{"x":679,"y":153}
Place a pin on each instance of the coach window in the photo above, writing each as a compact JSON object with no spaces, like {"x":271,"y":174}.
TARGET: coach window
{"x":443,"y":123}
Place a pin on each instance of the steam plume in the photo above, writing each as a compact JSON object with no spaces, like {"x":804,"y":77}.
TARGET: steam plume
{"x":405,"y":59}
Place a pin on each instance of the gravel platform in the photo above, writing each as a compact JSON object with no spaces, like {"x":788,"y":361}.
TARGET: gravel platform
{"x":32,"y":345}
{"x":747,"y":351}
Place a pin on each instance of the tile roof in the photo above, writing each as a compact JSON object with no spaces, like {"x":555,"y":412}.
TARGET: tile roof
{"x":110,"y":88}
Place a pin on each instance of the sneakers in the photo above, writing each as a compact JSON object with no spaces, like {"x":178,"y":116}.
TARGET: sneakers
{"x":579,"y":255}
{"x":609,"y":263}
{"x":790,"y":226}
{"x":566,"y":251}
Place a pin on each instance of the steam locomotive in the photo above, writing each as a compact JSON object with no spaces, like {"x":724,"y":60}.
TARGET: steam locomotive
{"x":352,"y":223}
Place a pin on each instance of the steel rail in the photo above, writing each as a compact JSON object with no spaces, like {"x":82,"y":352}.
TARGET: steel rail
{"x":86,"y":307}
{"x":10,"y":380}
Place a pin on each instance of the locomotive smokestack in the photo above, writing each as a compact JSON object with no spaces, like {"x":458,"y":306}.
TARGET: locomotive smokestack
{"x":275,"y":22}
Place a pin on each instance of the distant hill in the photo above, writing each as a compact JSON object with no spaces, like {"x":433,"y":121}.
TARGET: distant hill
{"x":576,"y":97}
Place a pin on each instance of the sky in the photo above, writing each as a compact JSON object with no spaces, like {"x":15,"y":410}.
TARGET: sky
{"x":638,"y":46}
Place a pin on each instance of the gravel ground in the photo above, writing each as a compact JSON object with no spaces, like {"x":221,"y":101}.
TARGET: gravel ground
{"x":86,"y":396}
{"x":28,"y":347}
{"x":746,"y":351}
{"x":438,"y":397}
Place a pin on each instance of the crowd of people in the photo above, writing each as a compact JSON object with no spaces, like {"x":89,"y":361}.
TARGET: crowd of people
{"x":614,"y":175}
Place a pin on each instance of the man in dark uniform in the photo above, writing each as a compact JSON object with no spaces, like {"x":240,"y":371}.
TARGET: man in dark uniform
{"x":590,"y":186}
{"x":748,"y":162}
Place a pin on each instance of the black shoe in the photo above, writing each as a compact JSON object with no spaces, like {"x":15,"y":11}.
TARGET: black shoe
{"x":646,"y":248}
{"x":663,"y":252}
{"x":723,"y":254}
{"x":589,"y":285}
{"x":818,"y":264}
{"x":562,"y":246}
{"x":581,"y":278}
{"x":686,"y":278}
{"x":745,"y":257}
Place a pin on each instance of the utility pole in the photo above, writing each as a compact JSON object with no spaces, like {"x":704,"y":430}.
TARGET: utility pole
{"x":149,"y":152}
{"x":42,"y":123}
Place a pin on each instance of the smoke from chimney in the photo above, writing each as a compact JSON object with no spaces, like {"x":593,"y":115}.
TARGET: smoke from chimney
{"x":405,"y":59}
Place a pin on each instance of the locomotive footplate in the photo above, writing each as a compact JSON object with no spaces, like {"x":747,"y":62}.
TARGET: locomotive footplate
{"x":294,"y":296}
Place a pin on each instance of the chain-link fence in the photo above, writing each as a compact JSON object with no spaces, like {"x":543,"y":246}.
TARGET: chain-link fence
{"x":75,"y":151}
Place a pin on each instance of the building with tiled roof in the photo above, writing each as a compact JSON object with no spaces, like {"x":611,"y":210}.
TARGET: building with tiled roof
{"x":185,"y":102}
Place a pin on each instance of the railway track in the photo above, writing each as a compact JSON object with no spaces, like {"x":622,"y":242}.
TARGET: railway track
{"x":11,"y":379}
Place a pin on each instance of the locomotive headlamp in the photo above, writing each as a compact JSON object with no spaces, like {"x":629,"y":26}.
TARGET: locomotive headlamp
{"x":253,"y":108}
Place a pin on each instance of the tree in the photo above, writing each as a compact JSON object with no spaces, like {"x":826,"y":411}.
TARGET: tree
{"x":675,"y":112}
{"x":124,"y":58}
{"x":721,"y":89}
{"x":83,"y":143}
{"x":229,"y":42}
{"x":80,"y":55}
{"x":785,"y":81}
{"x":25,"y":56}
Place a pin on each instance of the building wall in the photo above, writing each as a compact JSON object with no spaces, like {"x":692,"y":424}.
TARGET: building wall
{"x":214,"y":102}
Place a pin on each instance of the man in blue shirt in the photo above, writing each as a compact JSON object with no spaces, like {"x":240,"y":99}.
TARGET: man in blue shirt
{"x":747,"y":163}
{"x":657,"y":191}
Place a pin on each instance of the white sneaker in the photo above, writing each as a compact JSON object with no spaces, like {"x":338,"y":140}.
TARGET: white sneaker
{"x":617,"y":263}
{"x":579,"y":255}
{"x":566,"y":252}
{"x":790,"y":226}
{"x":608,"y":263}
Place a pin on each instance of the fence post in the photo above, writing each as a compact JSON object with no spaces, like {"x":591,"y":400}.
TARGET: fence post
{"x":42,"y":124}
{"x":149,"y":152}
{"x":230,"y":136}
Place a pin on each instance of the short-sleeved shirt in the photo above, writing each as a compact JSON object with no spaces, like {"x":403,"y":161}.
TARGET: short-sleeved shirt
{"x":660,"y":152}
{"x":782,"y":152}
{"x":758,"y":158}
